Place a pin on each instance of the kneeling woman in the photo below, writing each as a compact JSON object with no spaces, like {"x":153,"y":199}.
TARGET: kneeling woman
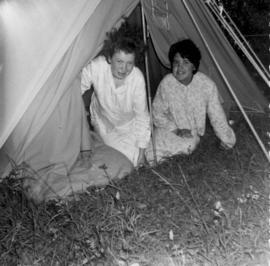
{"x":183,"y":99}
{"x":119,"y":112}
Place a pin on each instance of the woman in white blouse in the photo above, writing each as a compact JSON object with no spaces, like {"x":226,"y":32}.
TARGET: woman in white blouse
{"x":119,"y":112}
{"x":182,"y":101}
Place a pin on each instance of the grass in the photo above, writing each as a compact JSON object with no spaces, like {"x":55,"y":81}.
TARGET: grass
{"x":210,"y":208}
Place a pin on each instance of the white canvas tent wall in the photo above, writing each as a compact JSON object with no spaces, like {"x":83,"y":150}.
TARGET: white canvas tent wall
{"x":45,"y":44}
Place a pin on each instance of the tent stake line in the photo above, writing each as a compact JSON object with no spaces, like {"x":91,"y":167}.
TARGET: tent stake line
{"x":241,"y":42}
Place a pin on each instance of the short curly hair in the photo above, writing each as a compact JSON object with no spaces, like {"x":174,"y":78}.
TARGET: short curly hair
{"x":187,"y":49}
{"x":127,"y":38}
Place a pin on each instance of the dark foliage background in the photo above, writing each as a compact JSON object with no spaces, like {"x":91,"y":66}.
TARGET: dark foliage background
{"x":251,"y":16}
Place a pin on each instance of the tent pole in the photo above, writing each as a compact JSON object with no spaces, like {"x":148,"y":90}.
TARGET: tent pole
{"x":148,"y":82}
{"x":229,"y":86}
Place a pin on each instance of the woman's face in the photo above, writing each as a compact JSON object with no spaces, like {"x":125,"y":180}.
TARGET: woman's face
{"x":182,"y":69}
{"x":122,"y":64}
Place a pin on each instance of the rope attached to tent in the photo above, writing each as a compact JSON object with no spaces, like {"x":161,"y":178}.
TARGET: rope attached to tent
{"x":228,"y":84}
{"x":238,"y":38}
{"x":148,"y":84}
{"x":160,"y":13}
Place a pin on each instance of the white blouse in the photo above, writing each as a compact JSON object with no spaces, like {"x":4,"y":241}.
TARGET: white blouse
{"x":117,"y":111}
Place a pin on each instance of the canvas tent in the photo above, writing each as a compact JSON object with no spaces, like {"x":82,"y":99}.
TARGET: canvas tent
{"x":45,"y":44}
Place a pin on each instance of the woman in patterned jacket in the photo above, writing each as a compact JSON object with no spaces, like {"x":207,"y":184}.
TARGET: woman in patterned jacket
{"x":183,"y":100}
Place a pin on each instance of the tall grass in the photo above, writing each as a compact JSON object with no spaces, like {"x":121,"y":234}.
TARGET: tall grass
{"x":210,"y":208}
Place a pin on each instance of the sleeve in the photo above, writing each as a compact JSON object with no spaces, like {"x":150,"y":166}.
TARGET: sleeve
{"x":142,"y":118}
{"x":161,"y":110}
{"x":86,"y":78}
{"x":218,"y":119}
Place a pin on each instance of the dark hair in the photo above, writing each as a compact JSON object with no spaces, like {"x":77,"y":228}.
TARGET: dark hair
{"x":187,"y":49}
{"x":127,"y":38}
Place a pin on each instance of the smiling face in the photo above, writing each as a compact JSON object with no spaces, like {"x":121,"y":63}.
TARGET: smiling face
{"x":122,"y":64}
{"x":182,"y":69}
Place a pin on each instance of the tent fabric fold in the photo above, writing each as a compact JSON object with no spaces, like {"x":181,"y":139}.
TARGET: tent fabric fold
{"x":45,"y":44}
{"x":36,"y":36}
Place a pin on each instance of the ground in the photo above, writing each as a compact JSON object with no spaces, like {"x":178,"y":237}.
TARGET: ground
{"x":210,"y":208}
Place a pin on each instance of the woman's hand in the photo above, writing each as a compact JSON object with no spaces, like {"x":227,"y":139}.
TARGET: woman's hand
{"x":224,"y":146}
{"x":183,"y":133}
